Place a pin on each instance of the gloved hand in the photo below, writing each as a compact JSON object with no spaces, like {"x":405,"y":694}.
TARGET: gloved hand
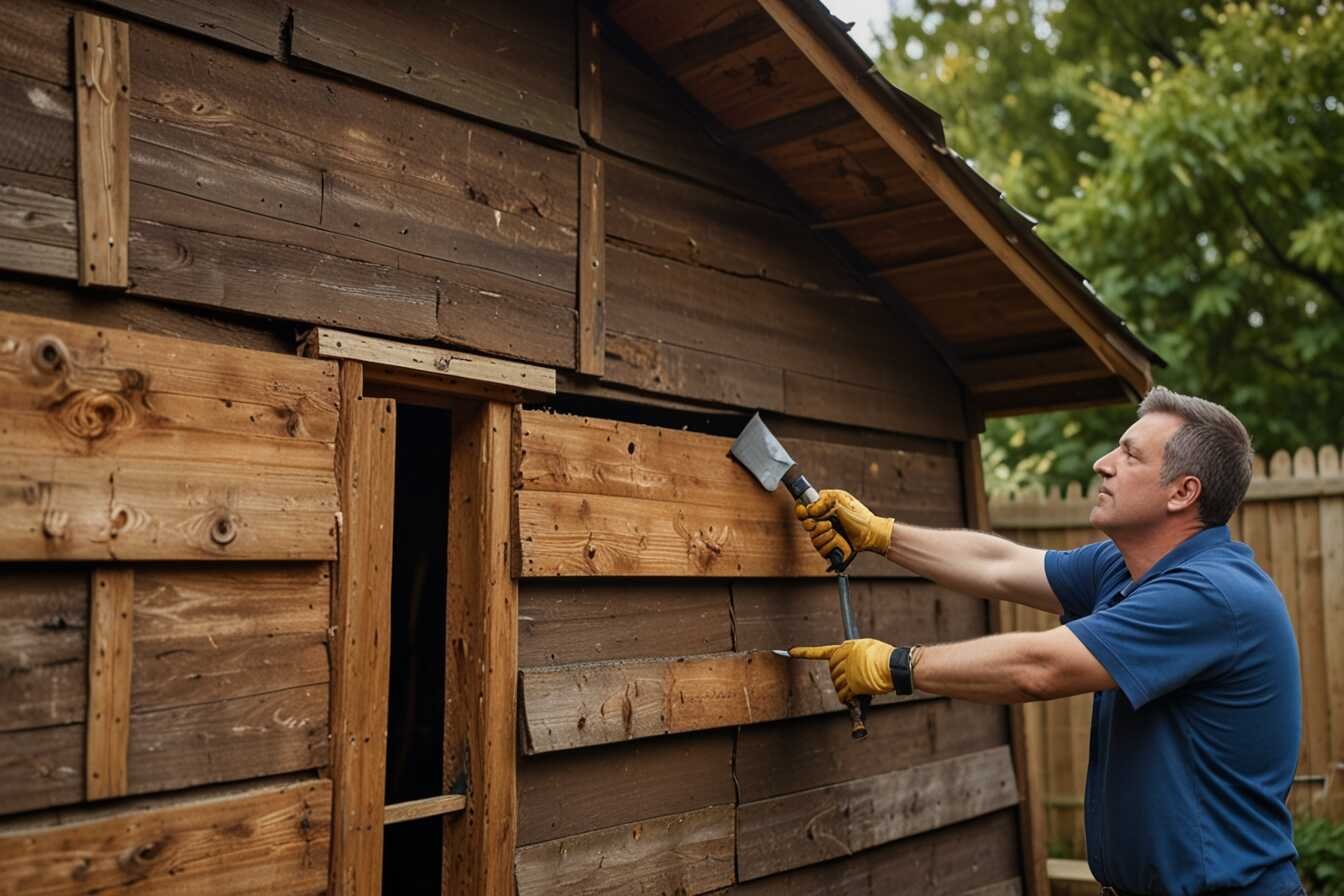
{"x":857,"y":667}
{"x":865,"y":532}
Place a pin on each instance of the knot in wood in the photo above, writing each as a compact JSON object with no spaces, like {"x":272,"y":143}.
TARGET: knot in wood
{"x":50,"y":356}
{"x":442,"y":363}
{"x":223,"y":530}
{"x":137,"y":858}
{"x":93,"y":414}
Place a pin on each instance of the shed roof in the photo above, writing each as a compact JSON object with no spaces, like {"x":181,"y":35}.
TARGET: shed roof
{"x":788,"y":86}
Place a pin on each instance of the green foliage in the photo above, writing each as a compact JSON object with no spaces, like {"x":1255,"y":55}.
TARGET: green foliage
{"x":1187,"y":158}
{"x":1320,"y":862}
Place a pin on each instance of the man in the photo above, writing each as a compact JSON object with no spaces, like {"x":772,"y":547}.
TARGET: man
{"x":1184,"y":641}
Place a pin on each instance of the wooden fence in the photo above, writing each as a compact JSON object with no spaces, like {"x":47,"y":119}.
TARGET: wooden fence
{"x":1293,"y":518}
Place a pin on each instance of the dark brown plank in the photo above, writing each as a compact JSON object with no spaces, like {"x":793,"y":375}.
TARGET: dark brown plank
{"x":43,"y":655}
{"x":249,"y":838}
{"x":816,"y":751}
{"x":42,"y":767}
{"x":758,"y":83}
{"x":703,"y":48}
{"x":653,"y":366}
{"x":40,"y":127}
{"x":38,"y":225}
{"x":810,"y":826}
{"x":567,"y":793}
{"x":449,"y":57}
{"x":946,"y":862}
{"x":505,"y":315}
{"x":252,"y":25}
{"x":795,"y":125}
{"x":570,"y":622}
{"x":909,"y":411}
{"x":592,"y":265}
{"x":35,"y":40}
{"x":771,"y":615}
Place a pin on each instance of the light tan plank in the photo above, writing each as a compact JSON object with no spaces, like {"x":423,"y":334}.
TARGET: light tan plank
{"x":585,"y":704}
{"x":426,"y":808}
{"x":814,"y":825}
{"x":259,"y":838}
{"x":482,"y":654}
{"x":591,"y":355}
{"x":108,"y":729}
{"x":361,"y":614}
{"x":103,"y":126}
{"x":689,"y":854}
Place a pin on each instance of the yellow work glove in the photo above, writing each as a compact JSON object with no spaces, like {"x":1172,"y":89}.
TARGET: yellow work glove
{"x":857,"y":667}
{"x":863,"y":530}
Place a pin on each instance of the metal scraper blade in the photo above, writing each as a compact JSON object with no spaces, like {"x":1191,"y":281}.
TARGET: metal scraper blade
{"x":759,"y":451}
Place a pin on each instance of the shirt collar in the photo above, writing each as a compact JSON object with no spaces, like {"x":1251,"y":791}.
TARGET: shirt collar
{"x":1196,"y":544}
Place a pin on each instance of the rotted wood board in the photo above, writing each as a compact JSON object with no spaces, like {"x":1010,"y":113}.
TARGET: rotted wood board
{"x":690,"y":853}
{"x":584,"y":704}
{"x":812,"y":826}
{"x":241,"y":839}
{"x":120,"y":445}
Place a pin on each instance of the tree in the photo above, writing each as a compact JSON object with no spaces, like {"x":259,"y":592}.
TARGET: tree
{"x":1187,"y":158}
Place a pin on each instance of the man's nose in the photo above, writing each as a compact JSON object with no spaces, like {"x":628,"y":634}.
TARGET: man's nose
{"x":1103,"y":467}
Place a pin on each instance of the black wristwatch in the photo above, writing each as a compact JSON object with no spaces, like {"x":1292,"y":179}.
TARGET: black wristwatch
{"x":901,"y":679}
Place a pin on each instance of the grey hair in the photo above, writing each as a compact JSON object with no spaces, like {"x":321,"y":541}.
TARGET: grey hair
{"x":1213,"y":446}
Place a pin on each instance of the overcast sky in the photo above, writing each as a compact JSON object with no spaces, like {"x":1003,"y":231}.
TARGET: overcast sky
{"x":865,"y":14}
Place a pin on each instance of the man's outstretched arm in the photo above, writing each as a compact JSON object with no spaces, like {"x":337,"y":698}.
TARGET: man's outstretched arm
{"x":964,"y":560}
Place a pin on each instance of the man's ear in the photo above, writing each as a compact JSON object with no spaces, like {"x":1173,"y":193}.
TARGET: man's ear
{"x":1187,"y":492}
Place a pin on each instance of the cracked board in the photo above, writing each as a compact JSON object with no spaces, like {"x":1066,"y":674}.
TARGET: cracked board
{"x":229,"y":676}
{"x":123,"y":446}
{"x":253,"y":838}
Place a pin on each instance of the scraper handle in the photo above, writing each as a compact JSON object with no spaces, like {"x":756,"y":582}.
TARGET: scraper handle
{"x":858,"y":707}
{"x":804,"y":493}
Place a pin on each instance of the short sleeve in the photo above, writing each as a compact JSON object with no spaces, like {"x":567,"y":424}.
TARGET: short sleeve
{"x":1167,"y":633}
{"x":1076,"y":576}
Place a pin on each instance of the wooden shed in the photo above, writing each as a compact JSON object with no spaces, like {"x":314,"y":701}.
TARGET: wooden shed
{"x":367,"y":373}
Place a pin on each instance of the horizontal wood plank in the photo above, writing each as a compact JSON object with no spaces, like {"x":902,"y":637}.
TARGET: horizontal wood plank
{"x":429,"y":807}
{"x":38,"y":233}
{"x":40,"y":136}
{"x":245,"y":839}
{"x":44,"y":615}
{"x":689,"y":853}
{"x":662,"y":369}
{"x":583,"y":704}
{"x":251,"y":25}
{"x":570,"y":792}
{"x":814,"y":825}
{"x":129,"y":446}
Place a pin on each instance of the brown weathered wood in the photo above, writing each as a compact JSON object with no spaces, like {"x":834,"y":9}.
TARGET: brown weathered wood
{"x":128,"y":446}
{"x":40,"y":127}
{"x":42,"y":767}
{"x":1031,"y":808}
{"x":38,"y":231}
{"x":482,"y":654}
{"x":108,"y":721}
{"x":947,"y":862}
{"x":103,"y":122}
{"x":568,"y":793}
{"x":233,"y":840}
{"x":1332,"y":589}
{"x":252,"y":25}
{"x":44,"y":646}
{"x":362,"y":644}
{"x":583,"y":704}
{"x":450,"y":57}
{"x":1027,"y":371}
{"x":589,"y":73}
{"x":591,"y":353}
{"x":451,"y":370}
{"x":35,"y":40}
{"x":429,"y":807}
{"x":794,"y":125}
{"x":656,"y":367}
{"x":704,"y":47}
{"x":576,"y":621}
{"x":690,"y":853}
{"x":814,"y":825}
{"x":818,"y":751}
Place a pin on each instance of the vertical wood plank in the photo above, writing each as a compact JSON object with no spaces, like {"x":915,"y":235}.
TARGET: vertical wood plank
{"x":590,"y":74}
{"x":108,"y":728}
{"x":103,"y":129}
{"x":1311,"y":636}
{"x":1031,"y":805}
{"x":365,"y":466}
{"x":1283,"y":568}
{"x":1332,"y":594}
{"x":480,"y":702}
{"x":592,"y":265}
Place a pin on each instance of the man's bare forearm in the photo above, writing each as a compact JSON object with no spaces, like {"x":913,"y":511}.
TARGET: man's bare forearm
{"x":974,"y":563}
{"x":997,"y":669}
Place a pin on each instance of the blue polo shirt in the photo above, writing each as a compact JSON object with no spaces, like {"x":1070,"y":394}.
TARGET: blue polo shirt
{"x":1193,"y":755}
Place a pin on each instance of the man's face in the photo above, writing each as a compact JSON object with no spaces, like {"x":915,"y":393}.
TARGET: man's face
{"x":1132,"y":495}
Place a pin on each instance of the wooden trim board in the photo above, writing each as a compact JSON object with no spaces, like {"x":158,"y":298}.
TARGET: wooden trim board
{"x":428,"y":807}
{"x":361,"y":617}
{"x":103,"y":139}
{"x":108,"y":721}
{"x":433,"y":368}
{"x":591,"y":349}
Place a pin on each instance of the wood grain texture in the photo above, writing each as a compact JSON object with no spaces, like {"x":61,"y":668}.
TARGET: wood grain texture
{"x":129,"y":446}
{"x":242,"y":839}
{"x":482,"y":654}
{"x":814,"y":825}
{"x":947,"y":862}
{"x":35,"y":40}
{"x":457,"y":58}
{"x":689,"y":853}
{"x":428,"y":807}
{"x":361,"y":614}
{"x":570,"y":792}
{"x":38,"y":229}
{"x":251,"y":25}
{"x":572,"y":621}
{"x":591,"y":352}
{"x":108,"y":720}
{"x":671,"y":370}
{"x":103,"y":126}
{"x":584,"y":704}
{"x":41,"y":135}
{"x":589,"y":73}
{"x":44,"y":612}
